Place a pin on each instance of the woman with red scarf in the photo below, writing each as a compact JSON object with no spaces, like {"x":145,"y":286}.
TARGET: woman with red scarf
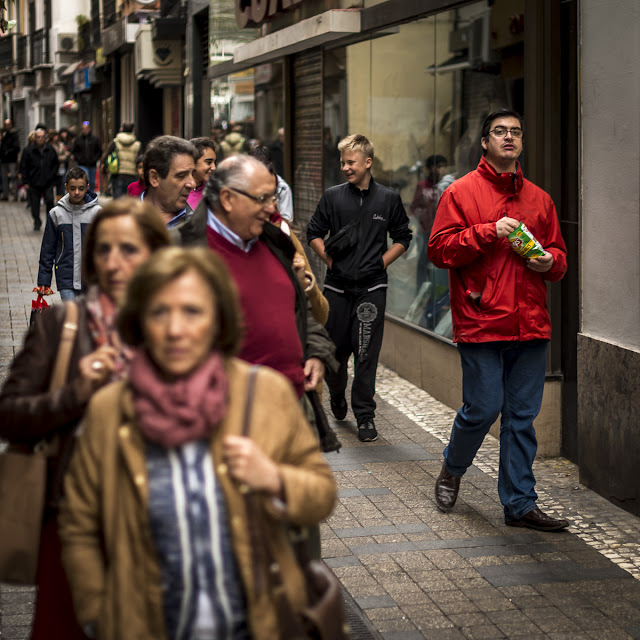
{"x":122,"y":236}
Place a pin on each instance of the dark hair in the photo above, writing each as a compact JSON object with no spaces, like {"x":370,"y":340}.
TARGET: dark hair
{"x":127,"y":127}
{"x":147,"y":217}
{"x":232,"y":172}
{"x":261,"y":152}
{"x":500,"y":113}
{"x":76,"y":173}
{"x":165,"y":266}
{"x":434,"y":161}
{"x":160,"y":153}
{"x":140,"y":159}
{"x":201,"y":144}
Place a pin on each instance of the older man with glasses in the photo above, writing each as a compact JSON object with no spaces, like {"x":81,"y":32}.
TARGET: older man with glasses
{"x":233,"y":220}
{"x":500,"y":317}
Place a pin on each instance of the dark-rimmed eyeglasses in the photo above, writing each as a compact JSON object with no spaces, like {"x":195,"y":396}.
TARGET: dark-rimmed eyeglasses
{"x":261,"y":200}
{"x":501,"y":132}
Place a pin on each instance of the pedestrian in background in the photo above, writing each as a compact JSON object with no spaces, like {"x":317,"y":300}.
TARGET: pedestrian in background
{"x":56,"y":142}
{"x":121,"y":237}
{"x":356,"y":282}
{"x":9,"y":150}
{"x":136,"y":189}
{"x":127,"y":146}
{"x":283,"y":190}
{"x":155,"y":530}
{"x":39,"y":170}
{"x":63,"y":237}
{"x":86,"y":151}
{"x":500,"y":317}
{"x":205,"y":164}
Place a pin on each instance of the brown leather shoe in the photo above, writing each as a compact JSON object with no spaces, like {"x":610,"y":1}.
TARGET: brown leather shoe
{"x":447,"y":487}
{"x":539,"y":521}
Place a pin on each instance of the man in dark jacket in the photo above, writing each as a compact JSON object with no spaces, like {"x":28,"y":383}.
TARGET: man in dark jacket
{"x":86,"y":150}
{"x":39,"y":167}
{"x":356,"y":282}
{"x":9,"y":149}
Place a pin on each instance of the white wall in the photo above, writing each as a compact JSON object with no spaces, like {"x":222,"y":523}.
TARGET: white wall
{"x":610,"y":92}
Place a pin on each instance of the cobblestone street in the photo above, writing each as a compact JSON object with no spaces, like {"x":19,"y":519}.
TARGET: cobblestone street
{"x":413,"y":571}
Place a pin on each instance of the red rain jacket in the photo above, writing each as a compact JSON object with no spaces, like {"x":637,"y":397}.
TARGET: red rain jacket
{"x":513,"y":302}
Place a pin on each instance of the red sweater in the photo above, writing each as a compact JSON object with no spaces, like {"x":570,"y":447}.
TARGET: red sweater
{"x":267,"y":298}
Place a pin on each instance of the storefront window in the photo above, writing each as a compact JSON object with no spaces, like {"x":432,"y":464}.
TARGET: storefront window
{"x":421,"y":91}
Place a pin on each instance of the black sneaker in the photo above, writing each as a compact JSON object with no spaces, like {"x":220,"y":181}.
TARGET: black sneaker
{"x":367,"y":431}
{"x":339,"y":408}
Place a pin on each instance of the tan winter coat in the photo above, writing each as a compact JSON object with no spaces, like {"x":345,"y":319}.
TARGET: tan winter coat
{"x":108,"y":552}
{"x":128,"y":150}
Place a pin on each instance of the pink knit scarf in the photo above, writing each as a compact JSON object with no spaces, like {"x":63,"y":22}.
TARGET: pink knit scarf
{"x":181,"y":411}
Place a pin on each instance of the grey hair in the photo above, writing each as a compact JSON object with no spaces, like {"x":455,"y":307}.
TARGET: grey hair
{"x":233,"y":172}
{"x":160,"y":153}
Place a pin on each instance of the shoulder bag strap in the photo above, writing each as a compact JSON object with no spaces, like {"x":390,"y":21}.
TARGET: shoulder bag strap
{"x":67,"y":339}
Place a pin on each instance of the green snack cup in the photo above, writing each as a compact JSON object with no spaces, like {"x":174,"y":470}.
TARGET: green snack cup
{"x":524,"y":244}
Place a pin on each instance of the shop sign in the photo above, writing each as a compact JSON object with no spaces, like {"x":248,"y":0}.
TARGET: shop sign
{"x":254,"y":12}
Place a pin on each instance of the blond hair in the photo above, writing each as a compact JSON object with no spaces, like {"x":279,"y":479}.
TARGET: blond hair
{"x":357,"y":142}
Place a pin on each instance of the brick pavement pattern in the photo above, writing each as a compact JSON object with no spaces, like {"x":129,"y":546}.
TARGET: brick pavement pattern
{"x":414,"y":571}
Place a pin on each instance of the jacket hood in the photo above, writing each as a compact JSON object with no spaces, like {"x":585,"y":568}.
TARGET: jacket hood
{"x":510,"y":183}
{"x":126,"y":139}
{"x":90,"y":200}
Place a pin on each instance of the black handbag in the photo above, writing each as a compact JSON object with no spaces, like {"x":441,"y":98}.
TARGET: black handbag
{"x":323,"y":618}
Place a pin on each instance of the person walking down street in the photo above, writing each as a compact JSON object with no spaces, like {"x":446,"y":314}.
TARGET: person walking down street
{"x":39,"y":170}
{"x":283,"y":190}
{"x":136,"y":189}
{"x":128,"y":148}
{"x":169,"y":163}
{"x":56,"y":142}
{"x":205,"y":164}
{"x":86,"y":150}
{"x":156,"y":535}
{"x":120,"y":238}
{"x":9,"y":150}
{"x":63,"y":237}
{"x":500,"y":317}
{"x":363,"y":212}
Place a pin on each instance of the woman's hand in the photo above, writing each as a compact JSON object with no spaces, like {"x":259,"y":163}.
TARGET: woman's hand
{"x":97,"y":367}
{"x":248,"y":465}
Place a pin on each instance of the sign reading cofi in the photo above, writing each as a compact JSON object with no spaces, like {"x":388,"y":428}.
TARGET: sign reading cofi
{"x":254,"y":12}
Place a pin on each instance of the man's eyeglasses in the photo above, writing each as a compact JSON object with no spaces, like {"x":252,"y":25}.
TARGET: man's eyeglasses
{"x":261,"y":200}
{"x":501,"y":132}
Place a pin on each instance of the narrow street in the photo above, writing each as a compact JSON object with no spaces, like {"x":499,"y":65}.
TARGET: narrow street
{"x":410,"y":571}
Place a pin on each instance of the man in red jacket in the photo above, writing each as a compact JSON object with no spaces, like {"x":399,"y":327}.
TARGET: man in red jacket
{"x":500,"y":317}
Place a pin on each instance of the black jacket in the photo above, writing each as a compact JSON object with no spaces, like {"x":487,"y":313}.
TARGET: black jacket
{"x":381,"y":212}
{"x":86,"y":150}
{"x":39,"y":165}
{"x":10,"y":146}
{"x":313,"y":336}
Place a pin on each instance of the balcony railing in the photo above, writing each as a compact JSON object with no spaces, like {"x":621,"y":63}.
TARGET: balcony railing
{"x":7,"y":57}
{"x":23,"y":53}
{"x":40,"y":47}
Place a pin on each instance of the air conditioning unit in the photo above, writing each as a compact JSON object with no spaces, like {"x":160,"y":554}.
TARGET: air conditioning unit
{"x":67,"y":42}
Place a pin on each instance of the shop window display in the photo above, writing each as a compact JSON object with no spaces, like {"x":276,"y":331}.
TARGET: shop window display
{"x":421,"y":91}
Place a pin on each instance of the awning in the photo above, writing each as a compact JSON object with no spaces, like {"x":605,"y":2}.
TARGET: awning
{"x":306,"y":34}
{"x":69,"y":69}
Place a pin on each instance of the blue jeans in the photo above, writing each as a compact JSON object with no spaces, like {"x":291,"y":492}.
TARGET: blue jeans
{"x":91,"y":172}
{"x":501,"y":378}
{"x":69,"y":294}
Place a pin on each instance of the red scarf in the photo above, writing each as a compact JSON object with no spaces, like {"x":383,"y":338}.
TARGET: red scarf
{"x":181,"y":411}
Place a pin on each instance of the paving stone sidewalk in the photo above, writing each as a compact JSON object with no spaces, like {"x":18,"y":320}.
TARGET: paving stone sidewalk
{"x":412,"y":570}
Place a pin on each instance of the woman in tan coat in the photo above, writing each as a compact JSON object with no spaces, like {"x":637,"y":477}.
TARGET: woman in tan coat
{"x":155,"y":530}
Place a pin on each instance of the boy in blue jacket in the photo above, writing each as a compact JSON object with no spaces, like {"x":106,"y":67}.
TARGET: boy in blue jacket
{"x":63,"y":236}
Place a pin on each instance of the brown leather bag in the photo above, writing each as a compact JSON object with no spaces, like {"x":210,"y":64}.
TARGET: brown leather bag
{"x":323,"y":618}
{"x":23,"y":479}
